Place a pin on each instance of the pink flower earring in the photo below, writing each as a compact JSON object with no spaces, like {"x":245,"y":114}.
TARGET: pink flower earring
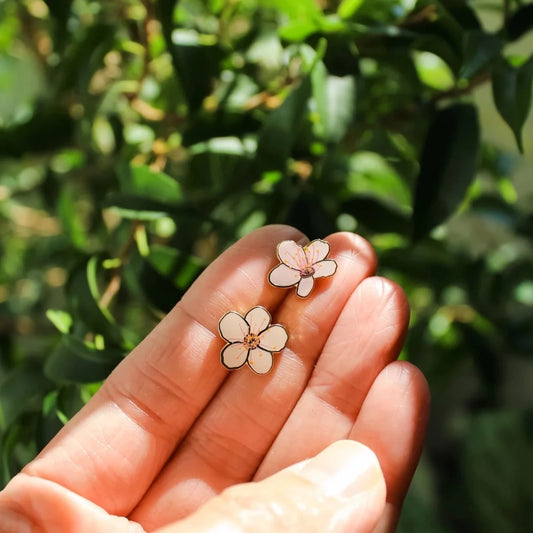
{"x":301,"y":265}
{"x":251,"y":339}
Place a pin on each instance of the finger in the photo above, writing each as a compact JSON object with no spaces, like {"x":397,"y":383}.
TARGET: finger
{"x":341,"y":489}
{"x":30,"y":504}
{"x":111,"y":451}
{"x":367,"y":336}
{"x":393,"y":423}
{"x":229,"y":441}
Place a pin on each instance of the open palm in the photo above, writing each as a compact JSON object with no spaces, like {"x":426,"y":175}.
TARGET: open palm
{"x":171,"y":427}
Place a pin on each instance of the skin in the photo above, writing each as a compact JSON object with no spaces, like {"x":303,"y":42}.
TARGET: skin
{"x":172,"y":436}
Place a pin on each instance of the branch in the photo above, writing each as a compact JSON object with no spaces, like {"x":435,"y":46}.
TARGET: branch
{"x":116,"y":279}
{"x":399,"y":117}
{"x":506,"y":11}
{"x":34,"y":39}
{"x":475,"y":82}
{"x":424,"y":15}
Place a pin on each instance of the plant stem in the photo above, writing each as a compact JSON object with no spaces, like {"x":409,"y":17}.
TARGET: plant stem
{"x":116,"y":279}
{"x":475,"y":82}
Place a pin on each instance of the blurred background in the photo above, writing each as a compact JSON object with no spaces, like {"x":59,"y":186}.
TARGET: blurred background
{"x":140,"y":138}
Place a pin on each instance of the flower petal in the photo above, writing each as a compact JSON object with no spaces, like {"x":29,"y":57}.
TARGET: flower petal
{"x":274,"y":338}
{"x":316,"y":250}
{"x":234,"y":355}
{"x":260,"y":361}
{"x":323,"y":269}
{"x":292,"y":255}
{"x":283,"y":276}
{"x":258,"y":319}
{"x":233,"y":327}
{"x":304,"y":287}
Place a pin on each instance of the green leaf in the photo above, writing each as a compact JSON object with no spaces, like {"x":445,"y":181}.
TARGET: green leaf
{"x":18,"y":391}
{"x":195,"y":64}
{"x":498,"y":467}
{"x":433,"y":71}
{"x":520,"y":22}
{"x":298,"y":10}
{"x":371,"y":174}
{"x":480,"y":49}
{"x":50,"y":127}
{"x":60,"y":12}
{"x":60,"y":319}
{"x":511,"y":89}
{"x":59,"y":9}
{"x":181,"y":268}
{"x":22,"y":84}
{"x":212,"y":173}
{"x":70,"y":217}
{"x":335,"y":98}
{"x":486,"y":357}
{"x":74,"y":361}
{"x":165,"y":12}
{"x":136,"y":207}
{"x":84,"y":57}
{"x":376,"y":216}
{"x":305,"y":18}
{"x":447,"y":166}
{"x":420,"y":511}
{"x":144,"y":181}
{"x":10,"y":439}
{"x":463,"y":13}
{"x":298,"y":30}
{"x":83,"y":294}
{"x":441,"y":48}
{"x":347,"y":8}
{"x":280,"y":130}
{"x":441,"y":32}
{"x":197,"y":83}
{"x":154,"y":286}
{"x":307,"y":213}
{"x":71,"y":399}
{"x":255,"y":220}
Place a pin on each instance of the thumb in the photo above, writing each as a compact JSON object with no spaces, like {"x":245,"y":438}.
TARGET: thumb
{"x":340,"y":490}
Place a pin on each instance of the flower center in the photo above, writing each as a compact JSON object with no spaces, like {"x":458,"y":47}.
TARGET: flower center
{"x":307,"y":272}
{"x":251,"y":341}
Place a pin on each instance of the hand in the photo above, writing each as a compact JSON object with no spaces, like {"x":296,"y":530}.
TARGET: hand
{"x":171,"y":428}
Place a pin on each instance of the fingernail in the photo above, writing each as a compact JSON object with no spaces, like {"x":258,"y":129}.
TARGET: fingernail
{"x":344,"y":469}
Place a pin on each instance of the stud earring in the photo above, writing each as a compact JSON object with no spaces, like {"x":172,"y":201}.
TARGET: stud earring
{"x":251,"y":339}
{"x":301,"y":265}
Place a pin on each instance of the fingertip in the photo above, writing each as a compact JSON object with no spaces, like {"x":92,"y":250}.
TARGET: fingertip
{"x":353,"y":248}
{"x":340,"y":489}
{"x":400,"y":400}
{"x":387,"y":289}
{"x":280,"y":231}
{"x":406,"y":383}
{"x":408,"y":379}
{"x":413,"y":382}
{"x":390,"y":297}
{"x":345,"y":468}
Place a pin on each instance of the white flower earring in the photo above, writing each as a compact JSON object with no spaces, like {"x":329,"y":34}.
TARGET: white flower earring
{"x":301,"y":265}
{"x":251,"y":339}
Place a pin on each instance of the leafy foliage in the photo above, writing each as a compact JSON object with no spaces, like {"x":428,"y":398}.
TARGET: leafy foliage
{"x":140,"y":138}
